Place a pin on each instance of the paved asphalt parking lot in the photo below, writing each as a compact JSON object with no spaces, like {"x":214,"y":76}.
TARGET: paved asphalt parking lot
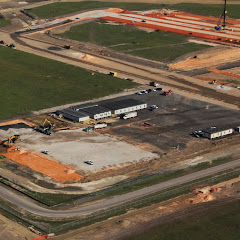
{"x":175,"y":119}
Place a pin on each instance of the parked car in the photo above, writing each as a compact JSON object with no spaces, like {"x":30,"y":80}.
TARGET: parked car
{"x":154,"y":107}
{"x":159,"y":89}
{"x":197,"y":133}
{"x":89,"y":162}
{"x":151,"y":90}
{"x":154,"y":84}
{"x":45,"y":152}
{"x":144,"y":91}
{"x":139,"y":93}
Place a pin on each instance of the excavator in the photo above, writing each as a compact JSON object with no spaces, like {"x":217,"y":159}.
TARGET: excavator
{"x":46,"y":127}
{"x":9,"y":141}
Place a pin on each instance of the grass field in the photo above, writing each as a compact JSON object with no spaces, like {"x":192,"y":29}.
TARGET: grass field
{"x":159,"y":46}
{"x":61,"y":8}
{"x":4,"y":22}
{"x":30,"y":82}
{"x":218,"y":224}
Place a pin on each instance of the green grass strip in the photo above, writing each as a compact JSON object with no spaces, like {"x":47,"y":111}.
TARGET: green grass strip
{"x":61,"y":8}
{"x":30,"y":82}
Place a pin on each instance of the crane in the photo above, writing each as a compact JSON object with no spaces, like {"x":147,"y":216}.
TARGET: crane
{"x":222,"y":18}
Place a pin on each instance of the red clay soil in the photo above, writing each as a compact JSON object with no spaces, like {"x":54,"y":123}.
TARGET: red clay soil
{"x":224,"y":72}
{"x":173,"y":27}
{"x":41,"y":164}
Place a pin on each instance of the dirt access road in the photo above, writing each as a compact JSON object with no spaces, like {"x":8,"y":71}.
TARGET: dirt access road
{"x":35,"y":209}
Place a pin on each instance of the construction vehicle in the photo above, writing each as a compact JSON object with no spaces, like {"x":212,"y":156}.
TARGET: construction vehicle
{"x":9,"y":141}
{"x":114,"y":74}
{"x":169,"y":92}
{"x":213,"y":82}
{"x":46,"y":127}
{"x":88,"y":129}
{"x":222,"y":20}
{"x":11,"y":45}
{"x":67,"y":46}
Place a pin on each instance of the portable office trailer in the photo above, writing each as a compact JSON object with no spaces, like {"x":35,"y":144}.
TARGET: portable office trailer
{"x":73,"y":115}
{"x":214,"y":132}
{"x":124,"y":106}
{"x":97,"y":112}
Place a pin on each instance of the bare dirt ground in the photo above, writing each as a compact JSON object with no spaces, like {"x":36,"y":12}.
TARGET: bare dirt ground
{"x":135,"y":221}
{"x":208,"y":58}
{"x":14,"y":231}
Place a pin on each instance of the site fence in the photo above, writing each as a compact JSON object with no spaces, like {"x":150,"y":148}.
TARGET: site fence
{"x":157,"y":197}
{"x":20,"y":216}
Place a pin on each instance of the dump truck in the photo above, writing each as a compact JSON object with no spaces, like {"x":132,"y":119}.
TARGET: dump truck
{"x":128,"y":115}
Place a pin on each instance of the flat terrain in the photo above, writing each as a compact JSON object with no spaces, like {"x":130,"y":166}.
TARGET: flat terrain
{"x":12,"y":230}
{"x":178,"y":218}
{"x":218,"y":223}
{"x":159,"y":46}
{"x":73,"y":147}
{"x":32,"y":83}
{"x":62,"y":8}
{"x":4,"y":23}
{"x":174,"y":120}
{"x":168,"y":141}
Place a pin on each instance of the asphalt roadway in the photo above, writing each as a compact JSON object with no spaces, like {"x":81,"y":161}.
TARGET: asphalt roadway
{"x":30,"y":206}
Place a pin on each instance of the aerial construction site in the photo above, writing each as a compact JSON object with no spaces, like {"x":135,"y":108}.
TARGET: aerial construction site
{"x":105,"y":100}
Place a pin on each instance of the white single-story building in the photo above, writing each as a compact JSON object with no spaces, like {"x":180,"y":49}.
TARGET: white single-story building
{"x":215,"y":132}
{"x":124,"y":106}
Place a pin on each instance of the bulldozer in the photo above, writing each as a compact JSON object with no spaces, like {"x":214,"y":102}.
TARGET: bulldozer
{"x":9,"y":141}
{"x":46,"y":127}
{"x":213,"y":82}
{"x":67,"y":46}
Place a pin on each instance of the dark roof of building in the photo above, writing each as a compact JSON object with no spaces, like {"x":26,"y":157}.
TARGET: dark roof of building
{"x":95,"y":110}
{"x":120,"y":104}
{"x":82,"y":106}
{"x":72,"y":112}
{"x":216,"y":129}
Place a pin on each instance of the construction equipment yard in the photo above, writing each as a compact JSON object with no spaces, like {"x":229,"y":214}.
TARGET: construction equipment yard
{"x":162,"y":136}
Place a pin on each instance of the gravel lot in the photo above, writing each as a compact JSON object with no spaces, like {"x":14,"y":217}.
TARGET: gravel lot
{"x":73,"y":147}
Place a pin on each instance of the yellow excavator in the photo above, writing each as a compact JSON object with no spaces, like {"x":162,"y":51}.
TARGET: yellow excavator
{"x":9,"y":141}
{"x":46,"y":127}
